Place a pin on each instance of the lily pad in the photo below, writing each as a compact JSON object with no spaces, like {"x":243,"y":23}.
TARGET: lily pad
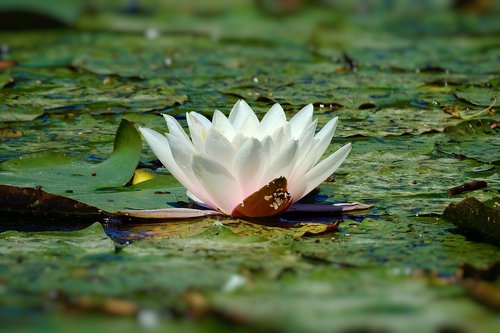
{"x":64,"y":90}
{"x":89,"y":241}
{"x":63,"y":175}
{"x":476,"y":139}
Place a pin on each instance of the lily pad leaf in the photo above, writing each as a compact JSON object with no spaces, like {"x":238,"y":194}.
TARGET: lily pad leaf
{"x":91,"y":240}
{"x":61,"y":175}
{"x":476,"y":139}
{"x":58,"y":173}
{"x":233,"y":230}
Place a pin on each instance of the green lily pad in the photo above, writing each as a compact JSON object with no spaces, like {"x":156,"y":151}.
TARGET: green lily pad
{"x":66,"y":91}
{"x":476,"y":139}
{"x":89,"y":241}
{"x":63,"y":175}
{"x":57,"y":173}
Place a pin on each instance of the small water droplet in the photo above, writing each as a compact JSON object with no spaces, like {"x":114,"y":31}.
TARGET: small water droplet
{"x":148,"y":318}
{"x":151,"y":33}
{"x":233,"y":283}
{"x":168,"y":61}
{"x":4,"y":48}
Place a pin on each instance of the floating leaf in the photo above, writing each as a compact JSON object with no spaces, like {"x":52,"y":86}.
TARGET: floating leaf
{"x":477,"y":139}
{"x":61,"y":175}
{"x":89,"y":241}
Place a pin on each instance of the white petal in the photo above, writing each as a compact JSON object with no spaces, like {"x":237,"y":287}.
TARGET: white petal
{"x":274,"y":119}
{"x":325,"y":168}
{"x":282,"y":164}
{"x":297,"y":188}
{"x":241,"y":110}
{"x":247,"y":165}
{"x":313,"y":153}
{"x":306,"y":140}
{"x":202,"y":119}
{"x":301,"y":120}
{"x":250,"y":127}
{"x":182,"y":153}
{"x":198,"y":127}
{"x":218,"y":182}
{"x":197,"y":200}
{"x":176,"y":129}
{"x":281,"y":136}
{"x":267,"y":147}
{"x":222,"y":124}
{"x":219,"y":148}
{"x":323,"y":139}
{"x":168,"y":213}
{"x":161,"y":148}
{"x":238,"y":141}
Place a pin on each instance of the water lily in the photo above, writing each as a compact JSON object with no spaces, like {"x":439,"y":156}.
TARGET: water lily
{"x":243,"y":167}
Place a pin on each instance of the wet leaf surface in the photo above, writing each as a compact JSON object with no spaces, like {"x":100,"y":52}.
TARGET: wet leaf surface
{"x":475,"y":219}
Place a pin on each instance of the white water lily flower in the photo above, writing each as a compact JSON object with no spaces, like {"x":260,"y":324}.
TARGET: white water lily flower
{"x":242,"y":167}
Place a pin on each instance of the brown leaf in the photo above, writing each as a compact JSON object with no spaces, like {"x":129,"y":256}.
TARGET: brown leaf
{"x":8,"y":133}
{"x":487,"y":293}
{"x":15,"y":199}
{"x":4,"y":64}
{"x":197,"y":304}
{"x":453,"y":111}
{"x":112,"y":306}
